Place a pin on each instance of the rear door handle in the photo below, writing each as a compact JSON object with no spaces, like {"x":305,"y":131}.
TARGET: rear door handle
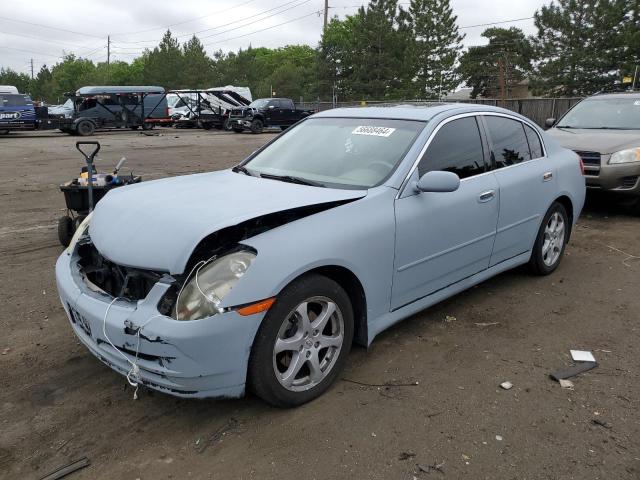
{"x":486,"y":196}
{"x":547,"y":176}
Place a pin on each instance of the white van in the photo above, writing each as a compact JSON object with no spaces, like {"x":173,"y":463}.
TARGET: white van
{"x":10,"y":89}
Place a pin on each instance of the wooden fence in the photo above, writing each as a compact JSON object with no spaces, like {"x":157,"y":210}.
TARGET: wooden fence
{"x":537,"y":109}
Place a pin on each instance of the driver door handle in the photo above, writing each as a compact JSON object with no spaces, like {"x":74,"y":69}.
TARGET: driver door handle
{"x":486,"y":196}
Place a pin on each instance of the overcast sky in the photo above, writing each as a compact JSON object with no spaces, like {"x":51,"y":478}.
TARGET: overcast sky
{"x":82,"y":27}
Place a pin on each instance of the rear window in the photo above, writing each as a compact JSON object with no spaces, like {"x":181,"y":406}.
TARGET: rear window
{"x":12,"y":100}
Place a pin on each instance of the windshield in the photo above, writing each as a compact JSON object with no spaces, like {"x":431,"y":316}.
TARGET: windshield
{"x":338,"y":152}
{"x":614,"y":113}
{"x":259,"y":103}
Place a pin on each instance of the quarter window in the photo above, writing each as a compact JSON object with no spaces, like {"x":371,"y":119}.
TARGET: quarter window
{"x":534,"y":142}
{"x":510,"y":145}
{"x":457,"y":148}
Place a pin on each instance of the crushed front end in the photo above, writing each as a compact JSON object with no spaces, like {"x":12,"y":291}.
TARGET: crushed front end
{"x":124,"y":317}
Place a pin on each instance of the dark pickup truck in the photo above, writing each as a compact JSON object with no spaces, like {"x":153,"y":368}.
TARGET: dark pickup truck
{"x":266,"y":112}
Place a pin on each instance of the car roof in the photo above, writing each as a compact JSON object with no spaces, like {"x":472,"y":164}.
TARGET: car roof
{"x":615,"y":95}
{"x":411,"y":112}
{"x":118,"y":89}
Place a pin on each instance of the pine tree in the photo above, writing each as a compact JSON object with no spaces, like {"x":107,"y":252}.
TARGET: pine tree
{"x":164,"y":63}
{"x":437,"y":47}
{"x":197,"y":70}
{"x":579,"y":46}
{"x":508,"y":55}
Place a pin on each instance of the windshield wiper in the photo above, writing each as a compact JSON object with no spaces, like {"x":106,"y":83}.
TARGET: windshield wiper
{"x":291,"y":179}
{"x":242,"y":169}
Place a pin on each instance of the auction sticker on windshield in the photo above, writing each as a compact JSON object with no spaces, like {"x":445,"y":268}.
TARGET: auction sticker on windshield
{"x":375,"y":131}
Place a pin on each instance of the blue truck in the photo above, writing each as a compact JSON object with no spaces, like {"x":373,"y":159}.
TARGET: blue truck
{"x":17,"y":112}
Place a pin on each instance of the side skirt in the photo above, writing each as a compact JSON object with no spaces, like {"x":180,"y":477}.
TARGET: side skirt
{"x":391,"y":318}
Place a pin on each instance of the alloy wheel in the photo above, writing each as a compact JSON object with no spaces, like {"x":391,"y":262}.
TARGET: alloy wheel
{"x":553,"y":239}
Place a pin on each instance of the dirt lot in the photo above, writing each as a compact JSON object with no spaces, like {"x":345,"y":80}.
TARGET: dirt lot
{"x":58,"y":403}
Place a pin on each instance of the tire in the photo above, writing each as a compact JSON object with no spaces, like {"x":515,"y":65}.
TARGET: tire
{"x":272,"y":376}
{"x":551,"y":241}
{"x":283,"y":128}
{"x":85,"y":128}
{"x":238,"y":130}
{"x":206,"y":125}
{"x":226,"y":124}
{"x":257,"y":126}
{"x":134,"y":127}
{"x":635,"y":207}
{"x":65,"y":230}
{"x":4,"y":132}
{"x":148,"y":125}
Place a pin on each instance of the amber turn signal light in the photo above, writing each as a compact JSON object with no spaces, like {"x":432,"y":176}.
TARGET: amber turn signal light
{"x":261,"y":306}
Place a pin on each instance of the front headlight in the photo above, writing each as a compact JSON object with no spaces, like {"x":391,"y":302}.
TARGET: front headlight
{"x":209,"y":284}
{"x":626,"y":156}
{"x":82,"y":228}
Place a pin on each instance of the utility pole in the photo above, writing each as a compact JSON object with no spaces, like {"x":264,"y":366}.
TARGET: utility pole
{"x":326,"y":14}
{"x":108,"y":55}
{"x":633,"y":85}
{"x":32,"y":69}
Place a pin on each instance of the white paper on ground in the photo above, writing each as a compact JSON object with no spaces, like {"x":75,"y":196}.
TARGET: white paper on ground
{"x":582,"y":356}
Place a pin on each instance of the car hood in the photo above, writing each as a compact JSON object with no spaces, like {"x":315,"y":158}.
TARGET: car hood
{"x":592,"y":140}
{"x":156,"y":225}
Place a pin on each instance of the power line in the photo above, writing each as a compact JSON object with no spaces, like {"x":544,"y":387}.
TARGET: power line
{"x":226,"y":24}
{"x":187,"y":21}
{"x":49,"y":27}
{"x":497,"y":23}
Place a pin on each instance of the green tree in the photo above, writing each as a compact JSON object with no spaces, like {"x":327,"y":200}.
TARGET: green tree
{"x":19,"y":80}
{"x":631,"y":40}
{"x":164,"y":63}
{"x":578,"y":46}
{"x":69,"y":75}
{"x":197,"y":66}
{"x":508,"y":54}
{"x":436,"y":48}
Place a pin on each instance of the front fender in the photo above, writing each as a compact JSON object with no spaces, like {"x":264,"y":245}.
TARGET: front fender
{"x":358,"y":236}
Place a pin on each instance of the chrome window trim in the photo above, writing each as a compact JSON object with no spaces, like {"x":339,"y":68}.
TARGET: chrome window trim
{"x":404,"y":183}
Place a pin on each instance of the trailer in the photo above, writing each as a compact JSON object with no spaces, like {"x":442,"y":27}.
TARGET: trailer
{"x":208,"y":108}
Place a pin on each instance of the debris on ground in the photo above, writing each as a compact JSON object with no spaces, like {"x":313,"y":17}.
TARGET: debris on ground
{"x":601,"y":423}
{"x":506,"y":385}
{"x":202,"y":444}
{"x":568,"y":384}
{"x":450,"y":318}
{"x":406,"y":455}
{"x":582,"y":356}
{"x":438,"y":467}
{"x":67,"y":469}
{"x":486,"y":324}
{"x":585,"y":361}
{"x":499,"y":438}
{"x":6,"y":350}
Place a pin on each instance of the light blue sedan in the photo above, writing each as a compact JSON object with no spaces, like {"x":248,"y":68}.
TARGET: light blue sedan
{"x":263,"y":276}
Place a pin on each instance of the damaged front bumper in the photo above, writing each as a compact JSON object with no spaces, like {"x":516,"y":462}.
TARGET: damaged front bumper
{"x":199,"y":358}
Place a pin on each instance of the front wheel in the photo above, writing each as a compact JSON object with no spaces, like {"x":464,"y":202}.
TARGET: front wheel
{"x":85,"y":128}
{"x":66,"y":229}
{"x":303,"y":342}
{"x":257,"y":126}
{"x":551,"y":241}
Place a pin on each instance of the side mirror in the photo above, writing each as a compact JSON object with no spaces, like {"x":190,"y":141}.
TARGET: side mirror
{"x":549,"y":122}
{"x":438,"y":181}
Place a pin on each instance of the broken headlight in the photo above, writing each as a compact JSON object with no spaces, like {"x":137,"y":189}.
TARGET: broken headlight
{"x":80,"y":231}
{"x":209,"y":283}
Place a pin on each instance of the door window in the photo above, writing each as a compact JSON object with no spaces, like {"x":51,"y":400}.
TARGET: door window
{"x":534,"y":142}
{"x":510,"y":145}
{"x":457,"y":148}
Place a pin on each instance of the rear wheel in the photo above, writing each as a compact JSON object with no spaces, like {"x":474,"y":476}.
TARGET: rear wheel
{"x":134,"y":127}
{"x":85,"y":128}
{"x":226,"y":124}
{"x":65,"y":230}
{"x":257,"y":126}
{"x":148,"y":125}
{"x":303,"y":342}
{"x":551,"y":241}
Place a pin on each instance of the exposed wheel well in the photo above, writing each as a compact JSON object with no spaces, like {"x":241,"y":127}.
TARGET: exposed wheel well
{"x":568,"y":206}
{"x":347,"y":280}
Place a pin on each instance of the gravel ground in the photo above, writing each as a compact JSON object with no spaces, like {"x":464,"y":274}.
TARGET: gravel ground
{"x":448,"y":419}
